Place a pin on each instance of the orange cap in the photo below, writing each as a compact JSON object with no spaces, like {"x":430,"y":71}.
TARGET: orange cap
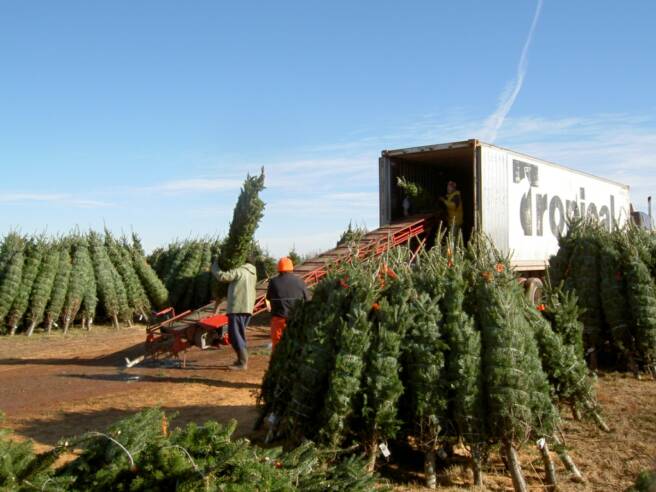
{"x":285,"y":265}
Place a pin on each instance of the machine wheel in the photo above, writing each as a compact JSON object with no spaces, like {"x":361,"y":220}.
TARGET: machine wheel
{"x":534,"y":288}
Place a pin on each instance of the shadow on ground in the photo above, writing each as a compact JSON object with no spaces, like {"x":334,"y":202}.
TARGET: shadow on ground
{"x":69,"y":424}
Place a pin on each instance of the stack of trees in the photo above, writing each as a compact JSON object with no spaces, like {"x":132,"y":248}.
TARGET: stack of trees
{"x":447,"y":350}
{"x":141,"y":454}
{"x":79,"y":277}
{"x":613,"y":275}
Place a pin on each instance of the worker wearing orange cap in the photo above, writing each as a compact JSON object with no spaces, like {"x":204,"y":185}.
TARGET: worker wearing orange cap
{"x":283,"y":291}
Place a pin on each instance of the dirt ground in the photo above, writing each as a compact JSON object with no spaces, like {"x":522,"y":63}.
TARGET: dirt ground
{"x":59,"y":386}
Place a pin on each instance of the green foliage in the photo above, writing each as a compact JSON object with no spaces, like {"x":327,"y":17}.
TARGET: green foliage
{"x":151,"y":283}
{"x":10,"y":281}
{"x":351,"y":344}
{"x":139,"y":454}
{"x":43,"y":285}
{"x":641,"y":298}
{"x":105,"y":280}
{"x":77,"y":282}
{"x":247,"y":214}
{"x":352,"y":235}
{"x":421,"y":200}
{"x":33,"y":256}
{"x":60,"y":286}
{"x":463,"y":360}
{"x":646,"y":482}
{"x":517,"y":391}
{"x":121,"y":260}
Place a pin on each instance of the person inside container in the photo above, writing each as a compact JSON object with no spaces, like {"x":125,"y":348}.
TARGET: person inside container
{"x":453,"y":204}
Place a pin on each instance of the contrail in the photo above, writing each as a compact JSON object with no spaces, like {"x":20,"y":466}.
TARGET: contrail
{"x":507,"y":99}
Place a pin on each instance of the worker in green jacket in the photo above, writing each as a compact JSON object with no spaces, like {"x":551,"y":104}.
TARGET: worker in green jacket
{"x":241,"y":300}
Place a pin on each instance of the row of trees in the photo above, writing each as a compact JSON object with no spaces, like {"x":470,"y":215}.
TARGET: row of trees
{"x":442,"y":351}
{"x":614,"y":277}
{"x":56,"y":282}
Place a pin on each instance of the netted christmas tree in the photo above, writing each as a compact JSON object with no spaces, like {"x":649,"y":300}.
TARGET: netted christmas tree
{"x":33,"y":256}
{"x":43,"y":285}
{"x":518,"y":398}
{"x":465,"y":392}
{"x":246,"y":217}
{"x":10,"y":281}
{"x":641,"y":298}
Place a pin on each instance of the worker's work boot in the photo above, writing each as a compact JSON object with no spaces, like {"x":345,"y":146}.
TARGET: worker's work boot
{"x":241,"y":364}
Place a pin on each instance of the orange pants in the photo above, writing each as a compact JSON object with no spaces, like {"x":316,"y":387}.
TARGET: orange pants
{"x":278,"y":325}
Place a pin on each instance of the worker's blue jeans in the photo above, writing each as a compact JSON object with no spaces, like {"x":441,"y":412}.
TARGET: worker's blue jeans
{"x":237,"y":324}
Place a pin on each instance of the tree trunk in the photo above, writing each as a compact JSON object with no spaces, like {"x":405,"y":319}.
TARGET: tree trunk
{"x":67,"y":322}
{"x":519,"y":484}
{"x":567,"y":461}
{"x":597,"y":418}
{"x":30,"y":330}
{"x":372,"y":452}
{"x":49,"y":326}
{"x":477,"y":471}
{"x":477,"y":465}
{"x":115,"y":322}
{"x":429,"y":469}
{"x":13,"y":330}
{"x":575,"y":412}
{"x":549,"y":468}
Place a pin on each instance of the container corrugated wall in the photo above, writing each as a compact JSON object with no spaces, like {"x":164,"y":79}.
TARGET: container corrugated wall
{"x":494,"y":195}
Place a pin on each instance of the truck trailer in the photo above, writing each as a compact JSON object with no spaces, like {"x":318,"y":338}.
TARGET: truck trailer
{"x":520,"y":202}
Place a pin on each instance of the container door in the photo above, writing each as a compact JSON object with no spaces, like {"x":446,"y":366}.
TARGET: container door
{"x":385,"y":190}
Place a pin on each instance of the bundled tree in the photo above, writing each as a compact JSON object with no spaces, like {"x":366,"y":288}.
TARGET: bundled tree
{"x":562,"y":309}
{"x":11,"y":244}
{"x":466,"y":406}
{"x":33,"y":256}
{"x":351,"y":344}
{"x":201,"y":292}
{"x":314,"y":361}
{"x":90,"y":297}
{"x":565,"y":368}
{"x":78,"y":281}
{"x":423,"y":361}
{"x":125,"y":310}
{"x":585,"y":278}
{"x":352,"y":235}
{"x":421,"y":200}
{"x":614,"y":302}
{"x":105,"y":279}
{"x":10,"y":281}
{"x":136,"y":297}
{"x":247,"y":214}
{"x":155,"y":289}
{"x":181,"y":286}
{"x":60,"y":287}
{"x":641,"y":298}
{"x":43,"y":286}
{"x":382,"y":386}
{"x":518,"y":395}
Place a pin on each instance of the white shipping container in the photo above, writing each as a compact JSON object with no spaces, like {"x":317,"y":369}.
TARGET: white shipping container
{"x":520,"y":201}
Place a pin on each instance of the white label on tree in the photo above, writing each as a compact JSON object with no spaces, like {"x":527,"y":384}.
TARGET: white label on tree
{"x":384,"y":449}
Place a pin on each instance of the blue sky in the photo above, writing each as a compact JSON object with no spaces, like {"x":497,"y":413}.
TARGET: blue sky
{"x":147,"y":115}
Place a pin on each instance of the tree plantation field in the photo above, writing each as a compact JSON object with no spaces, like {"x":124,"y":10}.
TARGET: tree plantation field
{"x":62,"y":386}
